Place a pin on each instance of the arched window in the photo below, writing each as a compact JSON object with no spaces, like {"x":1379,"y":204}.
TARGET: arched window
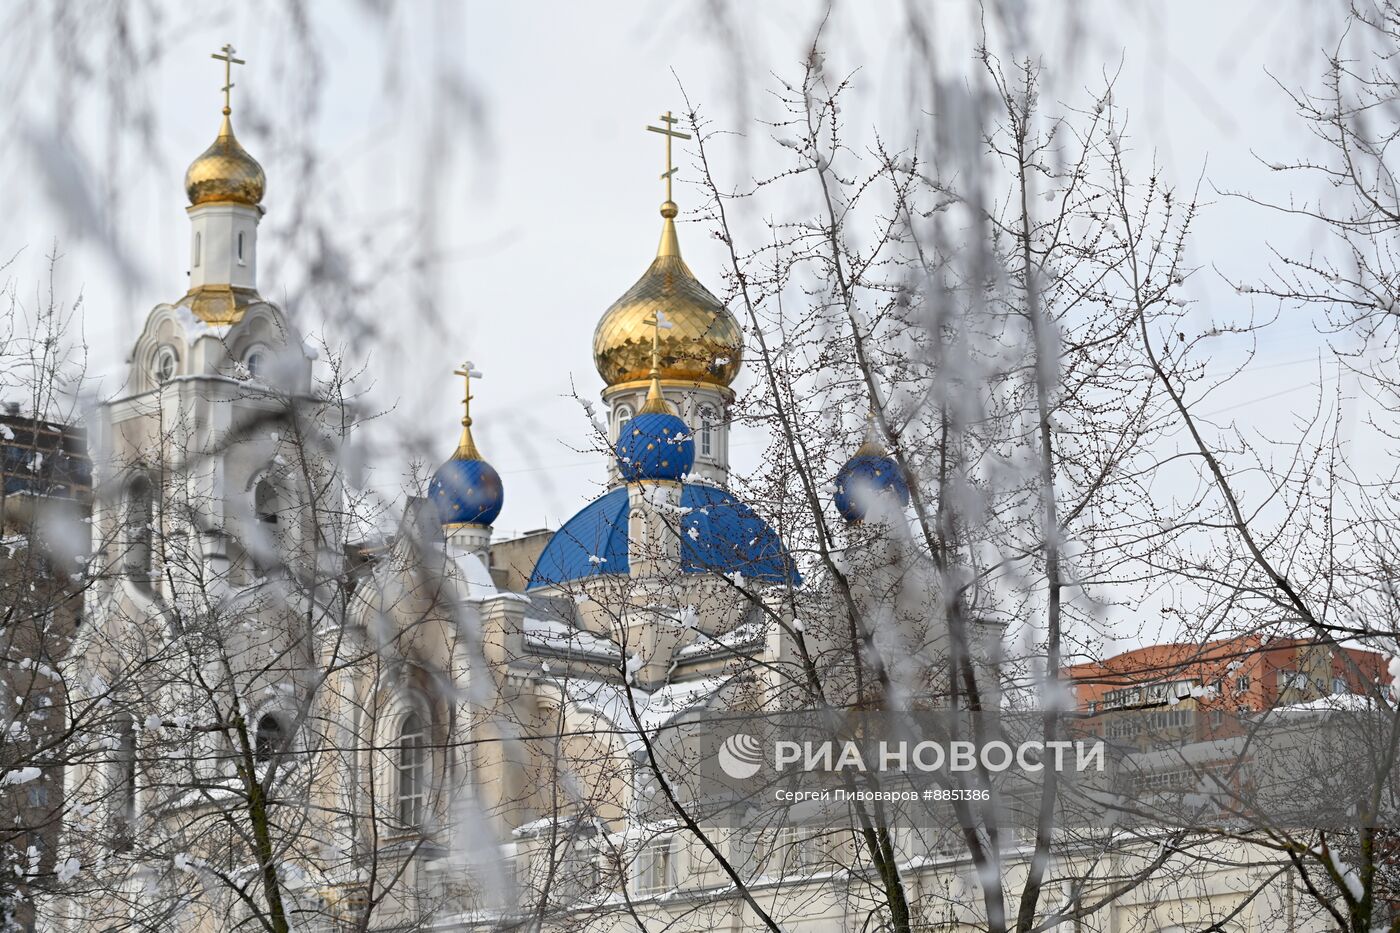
{"x":198,"y":245}
{"x":262,"y":539}
{"x":137,"y":518}
{"x":412,"y":770}
{"x":240,"y":247}
{"x":165,"y":364}
{"x":621,"y":416}
{"x":123,"y":802}
{"x":267,"y":741}
{"x":256,"y":362}
{"x":707,"y":431}
{"x":265,"y":502}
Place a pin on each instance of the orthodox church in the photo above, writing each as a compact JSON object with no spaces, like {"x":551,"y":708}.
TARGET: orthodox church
{"x":386,"y":699}
{"x":432,"y":729}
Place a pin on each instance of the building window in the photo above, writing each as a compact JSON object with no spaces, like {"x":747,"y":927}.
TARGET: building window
{"x":165,"y":365}
{"x":127,"y":761}
{"x":707,"y":431}
{"x":796,"y":851}
{"x":240,"y":247}
{"x":578,"y":874}
{"x":657,"y":869}
{"x":124,"y":800}
{"x":267,"y":741}
{"x":256,"y":363}
{"x":621,"y":416}
{"x":137,"y":520}
{"x":198,"y":245}
{"x":265,"y":504}
{"x":412,"y":770}
{"x":262,"y":541}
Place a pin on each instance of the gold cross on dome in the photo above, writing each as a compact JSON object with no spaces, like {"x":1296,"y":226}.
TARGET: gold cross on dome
{"x":658,"y":323}
{"x":466,"y":446}
{"x":655,"y":402}
{"x":467,"y":372}
{"x":229,"y":61}
{"x":670,"y":133}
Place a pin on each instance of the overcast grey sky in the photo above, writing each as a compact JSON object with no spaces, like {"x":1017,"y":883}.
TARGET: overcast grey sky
{"x":547,"y":192}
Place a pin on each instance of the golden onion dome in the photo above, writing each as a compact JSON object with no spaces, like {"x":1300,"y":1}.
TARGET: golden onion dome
{"x":225,"y":172}
{"x":704,"y":342}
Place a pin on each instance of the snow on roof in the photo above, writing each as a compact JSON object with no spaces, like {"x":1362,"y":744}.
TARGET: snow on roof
{"x":741,"y":636}
{"x":610,"y":700}
{"x":474,"y":574}
{"x":1332,"y":703}
{"x":554,"y":635}
{"x":673,"y":699}
{"x":196,"y":327}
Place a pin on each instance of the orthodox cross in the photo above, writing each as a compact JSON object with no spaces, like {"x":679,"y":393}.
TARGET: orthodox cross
{"x":658,"y":323}
{"x":229,"y":61}
{"x":466,"y":447}
{"x":670,"y":133}
{"x":655,"y":403}
{"x":467,"y":372}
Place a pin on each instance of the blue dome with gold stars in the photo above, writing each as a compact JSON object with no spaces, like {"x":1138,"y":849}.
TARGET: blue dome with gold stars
{"x":654,"y":445}
{"x":466,"y":490}
{"x":864,"y":477}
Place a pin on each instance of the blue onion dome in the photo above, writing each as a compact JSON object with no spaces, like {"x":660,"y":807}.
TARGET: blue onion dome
{"x":655,"y":445}
{"x":466,"y":489}
{"x":467,"y":492}
{"x":870,"y":473}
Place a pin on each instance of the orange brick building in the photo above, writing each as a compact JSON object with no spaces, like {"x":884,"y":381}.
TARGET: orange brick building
{"x":1165,"y":684}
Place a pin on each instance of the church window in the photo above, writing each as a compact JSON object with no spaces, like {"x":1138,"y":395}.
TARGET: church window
{"x":124,"y":800}
{"x":198,"y":244}
{"x":707,"y":431}
{"x":137,"y":519}
{"x":624,"y":415}
{"x":166,"y":362}
{"x":268,"y":738}
{"x":240,"y":247}
{"x":256,"y":363}
{"x":412,"y":770}
{"x":262,"y":543}
{"x":265,"y":504}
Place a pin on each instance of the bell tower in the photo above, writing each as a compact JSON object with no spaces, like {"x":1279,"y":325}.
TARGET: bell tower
{"x":195,"y":455}
{"x":225,"y":186}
